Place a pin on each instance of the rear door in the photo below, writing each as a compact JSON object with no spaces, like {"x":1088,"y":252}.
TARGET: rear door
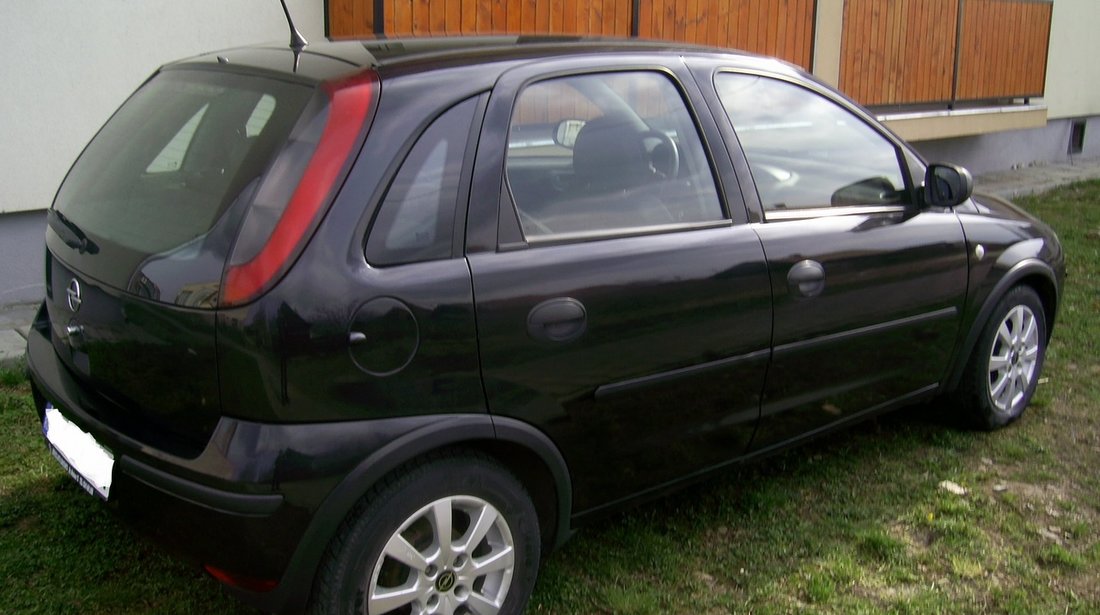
{"x":620,"y":307}
{"x":868,"y":284}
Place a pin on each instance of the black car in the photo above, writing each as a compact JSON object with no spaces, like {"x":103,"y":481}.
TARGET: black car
{"x":374,"y":325}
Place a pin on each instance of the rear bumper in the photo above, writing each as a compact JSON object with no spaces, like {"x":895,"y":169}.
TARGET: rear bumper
{"x":242,"y":505}
{"x":225,"y":508}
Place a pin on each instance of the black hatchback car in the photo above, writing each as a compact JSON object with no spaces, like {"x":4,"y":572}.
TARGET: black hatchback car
{"x":371,"y":326}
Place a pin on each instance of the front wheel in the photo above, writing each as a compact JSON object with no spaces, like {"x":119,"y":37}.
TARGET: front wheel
{"x":455,"y":534}
{"x":1004,"y":368}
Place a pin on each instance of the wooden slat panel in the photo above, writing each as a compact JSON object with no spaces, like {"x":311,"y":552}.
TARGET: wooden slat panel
{"x":403,"y":16}
{"x":767,"y":29}
{"x":790,"y":27}
{"x":500,"y":17}
{"x":782,"y":28}
{"x":1005,"y":52}
{"x":387,"y":13}
{"x":453,"y":11}
{"x":484,"y":20}
{"x":691,"y":25}
{"x":349,"y":18}
{"x":903,"y":51}
{"x":618,"y":18}
{"x":421,"y":17}
{"x":469,"y":18}
{"x":556,"y":17}
{"x":897,"y":52}
{"x":716,"y":33}
{"x":782,"y":19}
{"x":542,"y":16}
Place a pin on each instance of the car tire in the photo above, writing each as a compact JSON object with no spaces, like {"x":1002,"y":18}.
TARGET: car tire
{"x":1005,"y":365}
{"x":389,"y":555}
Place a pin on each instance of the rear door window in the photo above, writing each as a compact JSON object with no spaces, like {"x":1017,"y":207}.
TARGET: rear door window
{"x":607,"y":153}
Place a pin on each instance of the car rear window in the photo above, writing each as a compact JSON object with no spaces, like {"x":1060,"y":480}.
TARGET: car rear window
{"x":155,"y":189}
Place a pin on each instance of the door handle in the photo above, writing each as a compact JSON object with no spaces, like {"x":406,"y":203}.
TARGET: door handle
{"x":563,"y":319}
{"x":806,"y":278}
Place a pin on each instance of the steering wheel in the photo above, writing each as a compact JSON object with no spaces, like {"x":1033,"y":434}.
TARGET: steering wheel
{"x":664,"y":157}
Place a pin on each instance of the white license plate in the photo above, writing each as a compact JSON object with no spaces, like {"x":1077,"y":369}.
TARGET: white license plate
{"x":78,"y":452}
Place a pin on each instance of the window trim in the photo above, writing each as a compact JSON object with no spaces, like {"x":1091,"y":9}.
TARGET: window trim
{"x":623,"y":233}
{"x":806,"y":213}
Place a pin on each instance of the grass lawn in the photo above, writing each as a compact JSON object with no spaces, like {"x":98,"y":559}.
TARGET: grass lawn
{"x":854,"y":523}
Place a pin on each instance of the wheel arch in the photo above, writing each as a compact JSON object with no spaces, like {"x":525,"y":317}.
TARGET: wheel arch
{"x":1033,"y":273}
{"x":520,"y":447}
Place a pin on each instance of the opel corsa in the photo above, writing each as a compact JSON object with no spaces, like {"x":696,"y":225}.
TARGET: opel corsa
{"x":371,"y":326}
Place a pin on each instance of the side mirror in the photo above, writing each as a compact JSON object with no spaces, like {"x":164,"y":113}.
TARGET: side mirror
{"x":566,"y":132}
{"x":947,"y":185}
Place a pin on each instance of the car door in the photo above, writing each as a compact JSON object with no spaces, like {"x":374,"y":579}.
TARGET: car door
{"x":868,"y":284}
{"x":620,"y":308}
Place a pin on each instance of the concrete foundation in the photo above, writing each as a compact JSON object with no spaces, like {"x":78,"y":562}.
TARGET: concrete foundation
{"x":1001,"y":151}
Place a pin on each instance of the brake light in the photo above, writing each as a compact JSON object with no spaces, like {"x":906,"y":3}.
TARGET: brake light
{"x":242,"y":581}
{"x":349,"y":105}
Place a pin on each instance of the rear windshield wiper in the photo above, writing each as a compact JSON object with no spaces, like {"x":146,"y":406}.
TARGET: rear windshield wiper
{"x":70,"y":233}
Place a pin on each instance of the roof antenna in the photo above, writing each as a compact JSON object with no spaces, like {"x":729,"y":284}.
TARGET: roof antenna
{"x":297,"y":41}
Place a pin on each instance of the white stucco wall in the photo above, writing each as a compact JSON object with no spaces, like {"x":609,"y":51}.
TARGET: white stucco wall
{"x":1073,"y":69}
{"x":68,"y":64}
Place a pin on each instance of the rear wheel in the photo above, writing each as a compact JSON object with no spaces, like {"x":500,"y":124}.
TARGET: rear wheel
{"x":1004,"y":368}
{"x":455,"y":534}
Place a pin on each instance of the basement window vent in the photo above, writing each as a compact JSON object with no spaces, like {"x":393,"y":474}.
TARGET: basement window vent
{"x":1077,"y":137}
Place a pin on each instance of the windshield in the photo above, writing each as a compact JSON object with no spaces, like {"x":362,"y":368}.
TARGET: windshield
{"x":155,"y":190}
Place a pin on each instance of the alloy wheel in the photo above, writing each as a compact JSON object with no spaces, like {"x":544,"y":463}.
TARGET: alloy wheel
{"x":1012,"y":358}
{"x":455,"y":555}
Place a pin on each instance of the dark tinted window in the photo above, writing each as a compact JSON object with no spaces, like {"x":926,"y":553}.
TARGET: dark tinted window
{"x":805,"y":150}
{"x":154,"y":189}
{"x":607,"y":152}
{"x":416,"y":219}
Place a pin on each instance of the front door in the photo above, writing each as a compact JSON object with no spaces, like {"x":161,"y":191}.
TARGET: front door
{"x":867,"y":283}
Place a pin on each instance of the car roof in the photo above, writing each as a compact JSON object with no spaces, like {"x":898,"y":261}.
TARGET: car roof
{"x":329,"y":59}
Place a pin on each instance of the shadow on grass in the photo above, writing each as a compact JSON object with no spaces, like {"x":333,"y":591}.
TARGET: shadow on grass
{"x":811,"y":520}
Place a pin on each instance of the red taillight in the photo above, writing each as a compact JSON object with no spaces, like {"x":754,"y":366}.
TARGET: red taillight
{"x":241,"y":581}
{"x":349,"y":104}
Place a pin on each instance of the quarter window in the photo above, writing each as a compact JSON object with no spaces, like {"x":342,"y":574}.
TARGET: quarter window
{"x":416,"y":219}
{"x":609,"y":152}
{"x":805,"y":150}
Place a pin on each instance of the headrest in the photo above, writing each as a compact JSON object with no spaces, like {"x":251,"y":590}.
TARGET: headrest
{"x":609,"y":153}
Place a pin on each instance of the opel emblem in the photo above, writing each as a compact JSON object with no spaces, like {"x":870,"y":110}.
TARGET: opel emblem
{"x":446,"y":582}
{"x":74,"y":295}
